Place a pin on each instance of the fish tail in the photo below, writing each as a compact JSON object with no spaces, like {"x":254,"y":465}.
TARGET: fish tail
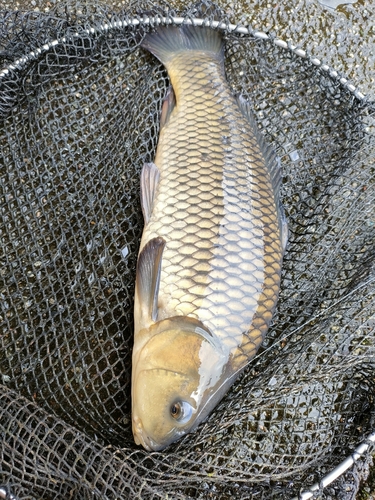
{"x":167,"y":41}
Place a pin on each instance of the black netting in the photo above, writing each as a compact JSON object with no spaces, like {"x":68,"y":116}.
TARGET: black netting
{"x":78,"y":119}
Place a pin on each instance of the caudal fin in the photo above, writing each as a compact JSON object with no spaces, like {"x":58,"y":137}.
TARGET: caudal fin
{"x":167,"y":41}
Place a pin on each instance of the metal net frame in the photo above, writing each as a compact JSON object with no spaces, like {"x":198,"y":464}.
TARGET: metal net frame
{"x":80,"y":104}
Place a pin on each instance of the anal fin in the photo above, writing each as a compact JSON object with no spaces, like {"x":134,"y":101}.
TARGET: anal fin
{"x":149,"y":181}
{"x":148,"y":278}
{"x":169,"y":102}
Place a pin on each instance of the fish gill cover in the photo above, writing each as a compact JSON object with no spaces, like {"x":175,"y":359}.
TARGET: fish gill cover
{"x":79,"y":117}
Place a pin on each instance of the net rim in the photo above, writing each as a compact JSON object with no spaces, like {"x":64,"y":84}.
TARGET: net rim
{"x":6,"y":494}
{"x":337,"y":76}
{"x":338,"y":471}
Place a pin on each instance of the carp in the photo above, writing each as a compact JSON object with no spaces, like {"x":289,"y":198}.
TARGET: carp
{"x":208,"y":271}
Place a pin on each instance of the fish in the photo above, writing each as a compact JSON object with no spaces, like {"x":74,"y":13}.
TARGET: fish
{"x":210,"y":258}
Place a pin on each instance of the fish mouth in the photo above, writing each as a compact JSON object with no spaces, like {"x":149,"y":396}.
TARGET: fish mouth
{"x":144,"y":441}
{"x":141,"y":438}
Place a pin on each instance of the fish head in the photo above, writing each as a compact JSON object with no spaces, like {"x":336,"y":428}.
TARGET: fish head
{"x":174,"y":375}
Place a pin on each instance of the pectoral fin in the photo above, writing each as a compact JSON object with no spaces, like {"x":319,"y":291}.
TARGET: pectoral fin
{"x":149,"y":182}
{"x":148,"y":278}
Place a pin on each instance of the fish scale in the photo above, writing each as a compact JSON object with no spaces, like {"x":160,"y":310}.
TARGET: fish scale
{"x":208,"y":272}
{"x":216,"y":210}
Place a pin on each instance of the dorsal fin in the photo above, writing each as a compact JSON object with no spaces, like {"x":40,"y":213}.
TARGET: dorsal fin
{"x":148,"y":278}
{"x":273,"y":165}
{"x":272,"y":161}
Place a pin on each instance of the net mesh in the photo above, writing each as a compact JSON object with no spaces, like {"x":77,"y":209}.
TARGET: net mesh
{"x":78,"y":120}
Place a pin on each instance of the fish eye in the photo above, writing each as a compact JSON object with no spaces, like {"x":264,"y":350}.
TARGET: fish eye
{"x":181,"y":411}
